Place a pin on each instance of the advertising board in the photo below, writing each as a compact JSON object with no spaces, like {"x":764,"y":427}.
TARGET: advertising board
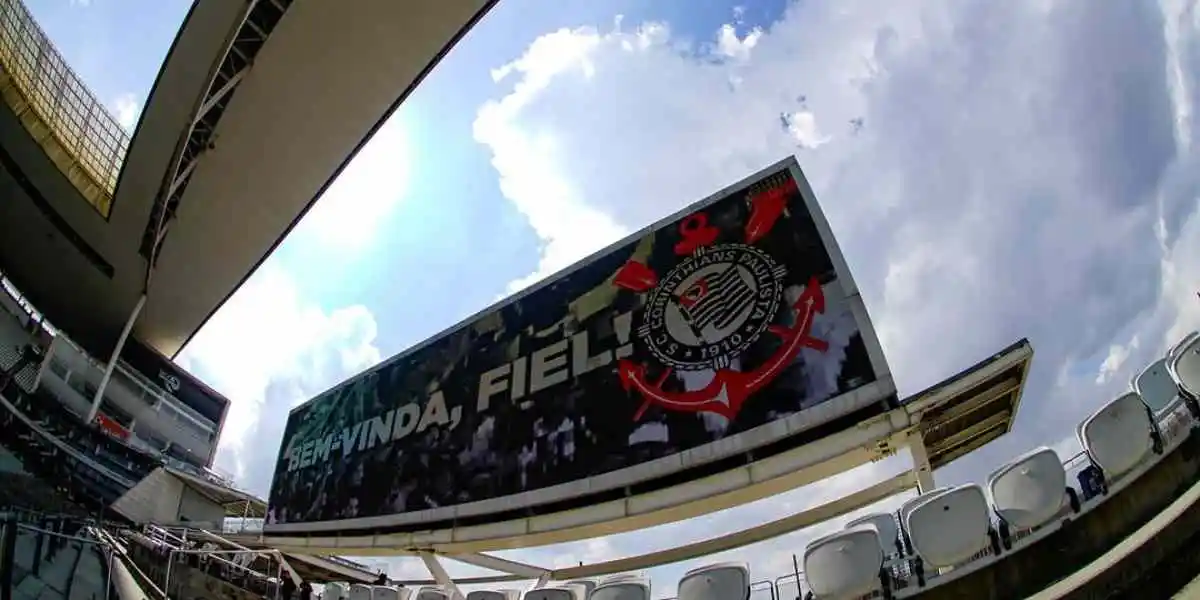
{"x":726,"y":329}
{"x":175,"y":381}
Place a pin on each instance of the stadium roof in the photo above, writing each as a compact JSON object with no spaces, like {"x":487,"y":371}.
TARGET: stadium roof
{"x":250,"y":119}
{"x":237,"y":504}
{"x":974,"y":407}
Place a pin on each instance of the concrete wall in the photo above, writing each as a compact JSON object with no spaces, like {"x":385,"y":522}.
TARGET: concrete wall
{"x":1033,"y":568}
{"x":155,"y":499}
{"x":200,"y":511}
{"x":164,"y":499}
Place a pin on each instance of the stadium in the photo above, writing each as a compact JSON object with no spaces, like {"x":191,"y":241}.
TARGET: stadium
{"x":715,"y":358}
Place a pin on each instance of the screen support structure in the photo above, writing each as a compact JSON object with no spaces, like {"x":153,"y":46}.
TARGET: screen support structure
{"x":116,"y":355}
{"x":920,"y":459}
{"x":440,"y":575}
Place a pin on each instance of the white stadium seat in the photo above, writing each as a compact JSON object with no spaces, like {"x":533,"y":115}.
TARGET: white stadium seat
{"x":1183,"y":362}
{"x":431,"y":593}
{"x":1156,"y":386}
{"x":389,"y":592}
{"x":1030,"y":491}
{"x":361,"y":591}
{"x":623,"y":577}
{"x":588,"y":585}
{"x":494,"y":595}
{"x":622,"y":589}
{"x":889,"y":531}
{"x":558,"y":592}
{"x":846,"y":564}
{"x":336,"y":590}
{"x":902,"y":514}
{"x":1119,"y":436}
{"x":722,"y":581}
{"x":949,"y":528}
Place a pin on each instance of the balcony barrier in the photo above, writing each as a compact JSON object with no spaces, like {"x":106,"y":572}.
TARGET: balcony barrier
{"x":60,"y":560}
{"x":78,"y":133}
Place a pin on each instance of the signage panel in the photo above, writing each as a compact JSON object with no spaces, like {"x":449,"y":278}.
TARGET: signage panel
{"x":175,"y":381}
{"x":726,"y":328}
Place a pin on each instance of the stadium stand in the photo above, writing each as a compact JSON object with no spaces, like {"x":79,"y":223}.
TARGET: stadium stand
{"x":948,"y":533}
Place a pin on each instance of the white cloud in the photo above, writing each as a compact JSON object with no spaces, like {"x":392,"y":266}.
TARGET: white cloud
{"x":270,"y":348}
{"x":1118,"y":354}
{"x":992,"y":170}
{"x":348,"y":216}
{"x":267,"y":350}
{"x":126,"y":108}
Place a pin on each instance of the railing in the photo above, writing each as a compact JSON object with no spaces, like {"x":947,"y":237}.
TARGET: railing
{"x":78,"y":121}
{"x":63,"y":563}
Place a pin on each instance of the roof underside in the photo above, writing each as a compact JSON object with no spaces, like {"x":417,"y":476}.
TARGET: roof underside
{"x":236,"y":503}
{"x":280,"y":98}
{"x":978,"y":405}
{"x":325,"y":79}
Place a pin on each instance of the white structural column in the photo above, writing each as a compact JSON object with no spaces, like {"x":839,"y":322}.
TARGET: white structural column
{"x":441,"y":576}
{"x":920,"y":458}
{"x":46,"y":357}
{"x":116,"y":354}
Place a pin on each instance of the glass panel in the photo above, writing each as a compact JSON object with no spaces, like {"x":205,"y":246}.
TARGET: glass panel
{"x":78,"y":120}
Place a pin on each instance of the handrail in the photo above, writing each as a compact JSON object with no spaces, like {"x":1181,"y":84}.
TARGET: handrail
{"x":79,"y":121}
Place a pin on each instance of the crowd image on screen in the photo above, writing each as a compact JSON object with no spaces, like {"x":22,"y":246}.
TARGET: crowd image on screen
{"x":587,"y":425}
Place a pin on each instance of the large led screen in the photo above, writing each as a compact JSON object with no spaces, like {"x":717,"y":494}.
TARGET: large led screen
{"x":693,"y":338}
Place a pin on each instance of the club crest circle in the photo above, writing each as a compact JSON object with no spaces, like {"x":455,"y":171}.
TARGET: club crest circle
{"x":712,"y":306}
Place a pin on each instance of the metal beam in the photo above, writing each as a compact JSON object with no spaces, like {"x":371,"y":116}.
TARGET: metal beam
{"x":943,"y":393}
{"x":971,"y":402}
{"x":818,"y":514}
{"x":116,"y":355}
{"x":921,"y":469}
{"x":220,"y":93}
{"x":496,"y":563}
{"x":441,"y":576}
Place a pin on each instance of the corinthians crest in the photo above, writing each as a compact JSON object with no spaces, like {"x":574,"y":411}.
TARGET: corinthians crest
{"x":714,"y":305}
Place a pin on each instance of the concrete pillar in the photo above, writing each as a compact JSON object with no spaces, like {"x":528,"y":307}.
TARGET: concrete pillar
{"x":441,"y":576}
{"x":116,"y":355}
{"x":920,"y":458}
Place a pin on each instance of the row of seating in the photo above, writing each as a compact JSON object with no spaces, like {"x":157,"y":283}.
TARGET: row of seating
{"x":944,"y":530}
{"x":33,"y":423}
{"x":617,"y":587}
{"x":64,"y":471}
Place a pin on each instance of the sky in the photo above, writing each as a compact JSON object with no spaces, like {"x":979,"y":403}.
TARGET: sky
{"x":992,"y":170}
